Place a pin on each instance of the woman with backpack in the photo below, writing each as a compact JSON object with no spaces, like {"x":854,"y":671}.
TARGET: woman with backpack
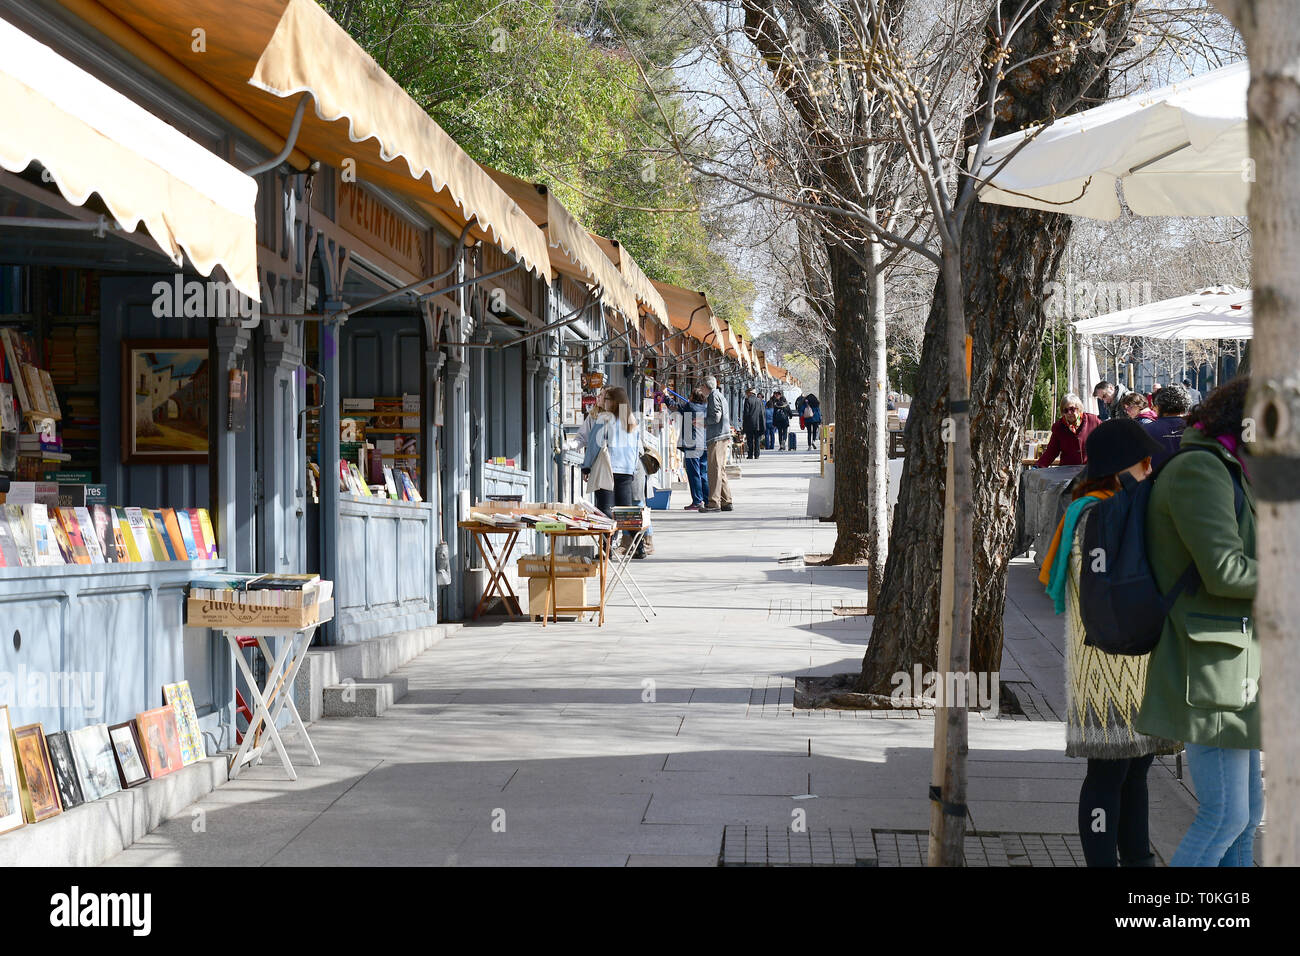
{"x":1103,"y":690}
{"x":780,"y":418}
{"x":1203,"y":682}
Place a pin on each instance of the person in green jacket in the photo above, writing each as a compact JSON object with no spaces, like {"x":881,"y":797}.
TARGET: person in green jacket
{"x":1203,"y":678}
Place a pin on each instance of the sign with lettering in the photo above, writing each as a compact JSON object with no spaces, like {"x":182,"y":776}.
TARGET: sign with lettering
{"x":365,"y":216}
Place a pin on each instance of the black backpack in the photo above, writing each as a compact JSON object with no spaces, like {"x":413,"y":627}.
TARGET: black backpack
{"x":1123,"y":610}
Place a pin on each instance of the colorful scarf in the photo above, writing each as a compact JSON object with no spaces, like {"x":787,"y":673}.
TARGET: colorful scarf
{"x":1057,"y":560}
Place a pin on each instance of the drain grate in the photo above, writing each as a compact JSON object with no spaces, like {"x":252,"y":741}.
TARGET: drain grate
{"x":748,"y":845}
{"x":911,"y":848}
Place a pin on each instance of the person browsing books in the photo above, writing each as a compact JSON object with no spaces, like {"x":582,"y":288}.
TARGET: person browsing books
{"x":615,"y":428}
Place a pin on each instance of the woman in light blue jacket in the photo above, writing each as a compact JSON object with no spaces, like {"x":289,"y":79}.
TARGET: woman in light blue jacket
{"x":615,"y":428}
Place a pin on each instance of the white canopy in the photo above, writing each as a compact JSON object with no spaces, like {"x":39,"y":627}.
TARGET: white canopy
{"x":92,"y":139}
{"x":1221,"y":312}
{"x":1178,"y":151}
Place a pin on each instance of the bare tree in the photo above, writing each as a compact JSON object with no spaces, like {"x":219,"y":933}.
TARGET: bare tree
{"x":1272,"y":38}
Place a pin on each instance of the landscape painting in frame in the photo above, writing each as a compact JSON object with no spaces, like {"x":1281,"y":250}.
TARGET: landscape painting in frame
{"x":165,"y":385}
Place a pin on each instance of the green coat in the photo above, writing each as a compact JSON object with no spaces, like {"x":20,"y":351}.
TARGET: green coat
{"x":1203,"y":678}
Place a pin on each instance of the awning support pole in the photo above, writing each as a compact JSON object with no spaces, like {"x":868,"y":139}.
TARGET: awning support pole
{"x":289,"y":143}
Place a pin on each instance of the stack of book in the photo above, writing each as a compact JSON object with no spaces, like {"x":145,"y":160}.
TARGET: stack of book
{"x":272,"y":600}
{"x":628,"y":517}
{"x":35,"y":533}
{"x":261,"y":590}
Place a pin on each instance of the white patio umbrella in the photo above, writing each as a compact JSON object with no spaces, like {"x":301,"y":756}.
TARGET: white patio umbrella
{"x":1176,"y":151}
{"x":1219,"y":312}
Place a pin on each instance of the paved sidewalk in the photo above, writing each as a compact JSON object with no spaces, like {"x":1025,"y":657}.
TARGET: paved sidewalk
{"x":638,"y":744}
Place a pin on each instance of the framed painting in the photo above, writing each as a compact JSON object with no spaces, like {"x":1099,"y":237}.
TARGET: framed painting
{"x":160,"y":739}
{"x":11,"y":790}
{"x":165,"y":384}
{"x":187,"y":720}
{"x":96,"y":765}
{"x":65,"y":770}
{"x":41,"y":797}
{"x":126,"y":748}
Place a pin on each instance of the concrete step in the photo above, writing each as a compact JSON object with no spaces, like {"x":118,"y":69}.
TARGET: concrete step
{"x":365,"y":661}
{"x":368,"y":697}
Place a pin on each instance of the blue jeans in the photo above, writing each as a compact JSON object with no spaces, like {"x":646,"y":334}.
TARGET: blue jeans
{"x":697,"y":476}
{"x":1231,"y":794}
{"x":771,"y":437}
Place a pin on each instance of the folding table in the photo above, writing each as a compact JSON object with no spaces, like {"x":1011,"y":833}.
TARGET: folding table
{"x":498,"y":584}
{"x":602,"y":536}
{"x":277,"y":693}
{"x":622,"y":573}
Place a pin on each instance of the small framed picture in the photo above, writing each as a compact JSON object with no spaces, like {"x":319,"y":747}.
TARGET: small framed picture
{"x":41,"y":799}
{"x":11,"y":788}
{"x":96,"y":765}
{"x":65,"y":769}
{"x":165,"y":385}
{"x":126,"y":748}
{"x":160,"y":740}
{"x":187,"y":720}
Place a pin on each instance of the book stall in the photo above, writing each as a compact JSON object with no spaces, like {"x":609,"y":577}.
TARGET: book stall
{"x":103,"y":467}
{"x":557,"y":580}
{"x":385,"y":578}
{"x":43,"y":775}
{"x":257,"y":609}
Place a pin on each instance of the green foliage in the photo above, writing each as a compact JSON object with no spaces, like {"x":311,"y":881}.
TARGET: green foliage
{"x":1042,"y":411}
{"x":546,"y":90}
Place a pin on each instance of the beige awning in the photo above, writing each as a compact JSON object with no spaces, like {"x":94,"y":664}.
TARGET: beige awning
{"x":263,"y":54}
{"x":641,"y":284}
{"x":688,"y":310}
{"x":578,"y":256}
{"x":92,"y":139}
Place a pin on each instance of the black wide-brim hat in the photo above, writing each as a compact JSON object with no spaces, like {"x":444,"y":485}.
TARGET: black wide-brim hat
{"x":1117,"y":444}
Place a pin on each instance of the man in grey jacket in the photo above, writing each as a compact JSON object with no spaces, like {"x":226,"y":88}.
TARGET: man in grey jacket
{"x":717,"y":433}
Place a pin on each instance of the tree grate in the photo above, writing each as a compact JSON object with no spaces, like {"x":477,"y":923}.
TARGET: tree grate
{"x":911,"y":848}
{"x":750,"y":845}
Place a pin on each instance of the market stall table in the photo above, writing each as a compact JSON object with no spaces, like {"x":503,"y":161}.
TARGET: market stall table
{"x":277,"y":692}
{"x":603,"y":538}
{"x":498,"y":584}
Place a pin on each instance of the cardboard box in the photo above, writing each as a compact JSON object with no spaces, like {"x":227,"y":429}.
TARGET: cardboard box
{"x":220,"y":614}
{"x":570,"y":592}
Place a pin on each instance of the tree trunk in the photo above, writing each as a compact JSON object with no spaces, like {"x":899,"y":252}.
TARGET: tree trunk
{"x":852,"y":293}
{"x":1008,"y":257}
{"x":877,"y":430}
{"x":1272,"y":38}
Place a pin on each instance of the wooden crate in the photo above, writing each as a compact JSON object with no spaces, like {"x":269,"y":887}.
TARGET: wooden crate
{"x":222,"y":614}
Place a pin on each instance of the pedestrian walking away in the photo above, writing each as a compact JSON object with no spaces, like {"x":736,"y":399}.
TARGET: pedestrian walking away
{"x":780,"y":419}
{"x":1203,"y":683}
{"x":717,"y":434}
{"x":1103,"y":691}
{"x":753,"y":423}
{"x":769,"y":435}
{"x":812,"y":419}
